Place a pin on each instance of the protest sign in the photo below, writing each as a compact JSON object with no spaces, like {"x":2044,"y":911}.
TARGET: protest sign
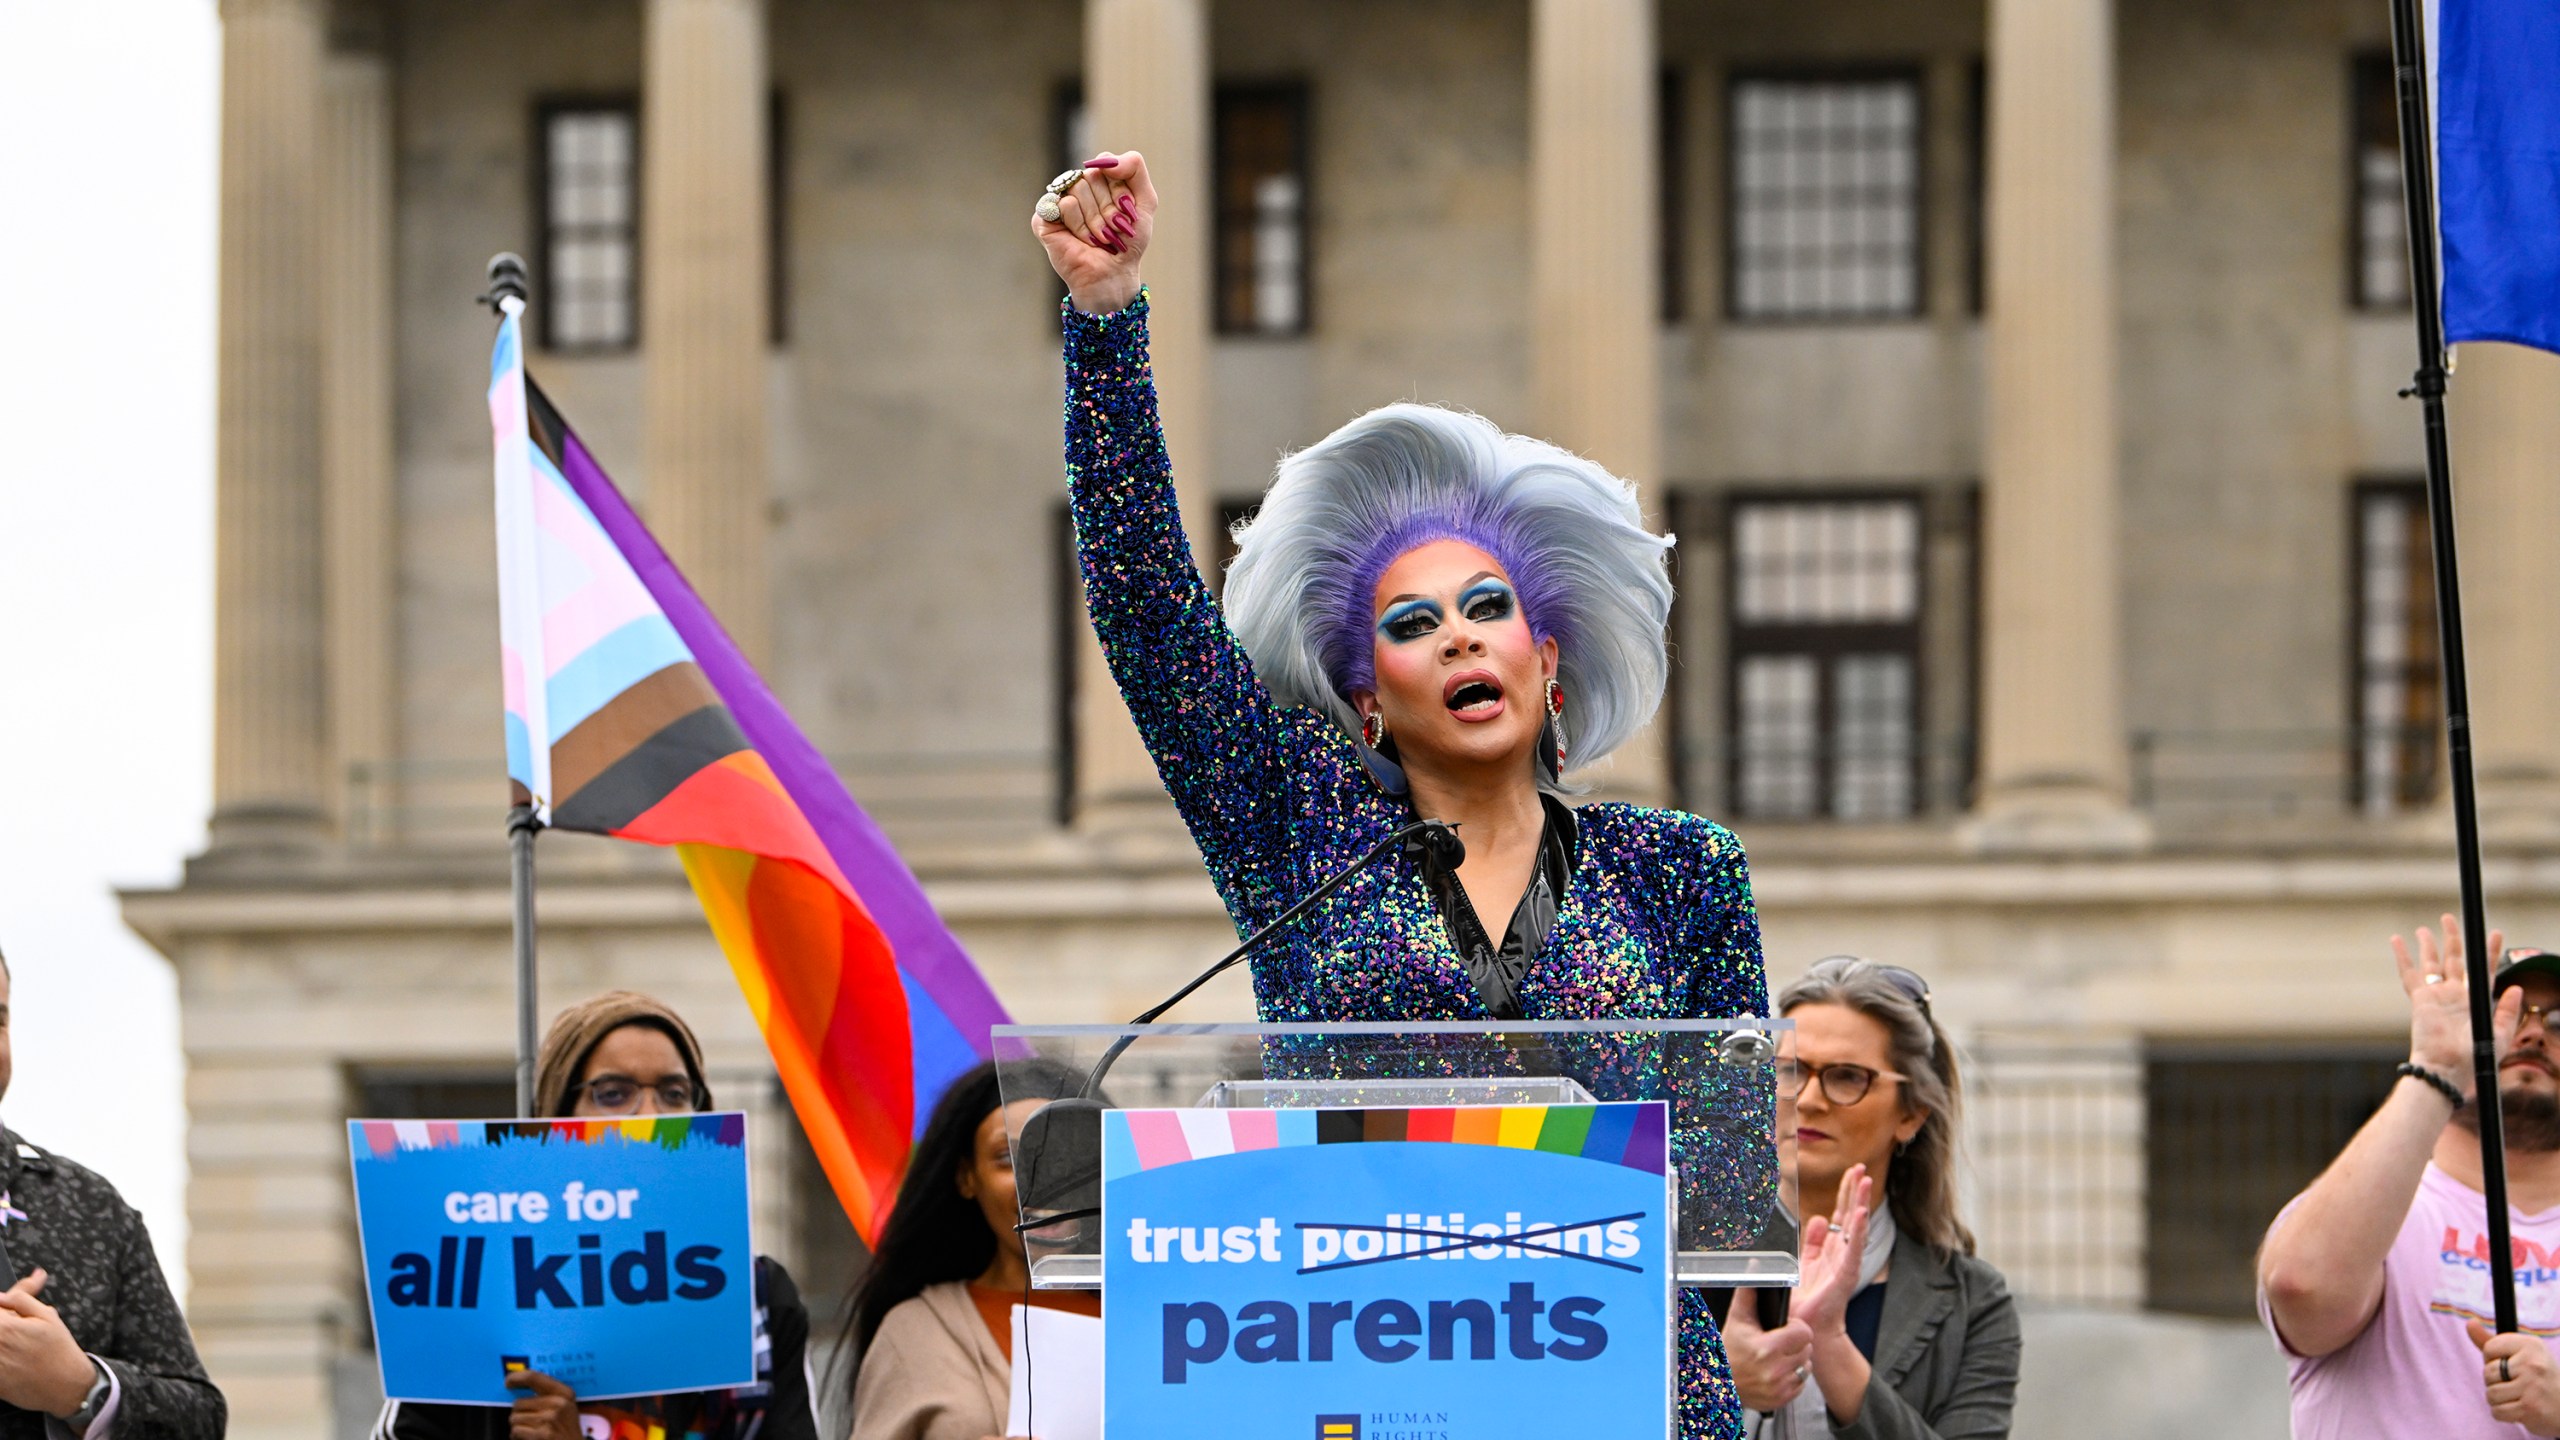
{"x":1455,"y":1273}
{"x":612,"y":1255}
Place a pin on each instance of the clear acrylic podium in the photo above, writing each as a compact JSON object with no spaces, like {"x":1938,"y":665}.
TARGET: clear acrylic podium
{"x":1728,"y":1113}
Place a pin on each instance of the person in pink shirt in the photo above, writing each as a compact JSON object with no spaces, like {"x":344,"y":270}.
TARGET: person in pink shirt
{"x":2375,"y":1280}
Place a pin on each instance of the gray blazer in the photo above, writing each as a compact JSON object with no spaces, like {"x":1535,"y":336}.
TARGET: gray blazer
{"x":1946,"y":1362}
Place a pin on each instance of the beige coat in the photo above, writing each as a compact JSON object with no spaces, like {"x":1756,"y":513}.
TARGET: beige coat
{"x":932,"y":1373}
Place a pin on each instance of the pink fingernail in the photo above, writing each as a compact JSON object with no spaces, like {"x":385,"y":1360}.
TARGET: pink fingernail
{"x":1102,"y":162}
{"x":1128,"y":206}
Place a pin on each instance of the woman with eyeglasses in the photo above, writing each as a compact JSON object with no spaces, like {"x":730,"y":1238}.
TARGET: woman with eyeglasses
{"x":627,"y":1054}
{"x":1897,"y":1331}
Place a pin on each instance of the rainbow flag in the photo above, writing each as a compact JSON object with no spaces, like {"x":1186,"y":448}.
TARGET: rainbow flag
{"x":631,"y":713}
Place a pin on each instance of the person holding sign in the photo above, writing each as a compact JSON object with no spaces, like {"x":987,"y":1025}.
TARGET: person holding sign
{"x":1426,"y":619}
{"x":932,"y":1331}
{"x":622,"y":1054}
{"x":91,"y":1344}
{"x":1899,"y":1331}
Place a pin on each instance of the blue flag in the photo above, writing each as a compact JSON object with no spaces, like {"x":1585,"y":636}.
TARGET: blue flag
{"x":2497,"y":82}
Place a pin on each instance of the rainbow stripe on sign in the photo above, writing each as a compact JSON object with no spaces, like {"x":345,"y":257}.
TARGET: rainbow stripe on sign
{"x":1630,"y":1133}
{"x":385,"y":1138}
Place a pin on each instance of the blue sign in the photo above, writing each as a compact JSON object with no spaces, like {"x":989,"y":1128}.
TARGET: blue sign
{"x":1459,"y":1274}
{"x":611,"y":1255}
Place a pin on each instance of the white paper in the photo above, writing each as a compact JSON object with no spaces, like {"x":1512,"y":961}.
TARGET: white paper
{"x":1057,"y":1375}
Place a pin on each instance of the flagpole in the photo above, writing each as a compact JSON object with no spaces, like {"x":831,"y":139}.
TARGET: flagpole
{"x":507,"y":283}
{"x":2417,"y":160}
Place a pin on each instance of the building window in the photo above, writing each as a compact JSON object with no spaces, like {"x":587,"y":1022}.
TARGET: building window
{"x":777,"y":212}
{"x":1824,"y":645}
{"x":2378,"y":229}
{"x":2398,"y":696}
{"x":1824,"y":212}
{"x":395,"y":1092}
{"x":2232,"y":1133}
{"x":588,"y":193}
{"x":1977,"y":197}
{"x":1071,"y":127}
{"x":1261,"y":179}
{"x":1672,"y":117}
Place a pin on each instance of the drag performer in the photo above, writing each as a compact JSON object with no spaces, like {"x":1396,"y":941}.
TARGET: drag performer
{"x":1427,"y":617}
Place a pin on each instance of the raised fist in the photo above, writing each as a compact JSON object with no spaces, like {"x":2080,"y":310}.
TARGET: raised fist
{"x":1104,"y":215}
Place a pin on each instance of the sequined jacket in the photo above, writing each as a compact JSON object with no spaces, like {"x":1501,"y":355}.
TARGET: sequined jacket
{"x":1656,"y":921}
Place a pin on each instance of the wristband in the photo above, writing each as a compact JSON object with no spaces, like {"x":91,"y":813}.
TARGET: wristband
{"x":2450,"y":1091}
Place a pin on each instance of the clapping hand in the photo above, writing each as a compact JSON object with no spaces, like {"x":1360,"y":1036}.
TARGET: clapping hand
{"x":1105,"y":215}
{"x":1833,"y":1247}
{"x":2439,"y":989}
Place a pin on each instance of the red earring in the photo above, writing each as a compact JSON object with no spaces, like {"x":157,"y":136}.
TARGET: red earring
{"x":1373,"y":730}
{"x":1555,"y":721}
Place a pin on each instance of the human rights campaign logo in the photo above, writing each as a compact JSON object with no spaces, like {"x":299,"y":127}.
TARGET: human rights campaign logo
{"x":1337,"y":1427}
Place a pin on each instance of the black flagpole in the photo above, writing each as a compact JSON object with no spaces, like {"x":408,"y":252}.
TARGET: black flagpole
{"x":507,"y":282}
{"x":2417,"y":162}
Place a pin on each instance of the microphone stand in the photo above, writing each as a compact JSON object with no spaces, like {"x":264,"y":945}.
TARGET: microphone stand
{"x":1063,"y":1159}
{"x":1433,"y":837}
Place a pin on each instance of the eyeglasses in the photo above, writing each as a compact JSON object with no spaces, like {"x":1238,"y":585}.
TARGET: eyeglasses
{"x":620,"y":1094}
{"x":2547,"y":1016}
{"x":1841,"y":1084}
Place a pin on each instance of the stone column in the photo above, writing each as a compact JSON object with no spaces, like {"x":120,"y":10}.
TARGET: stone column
{"x":2505,"y":424}
{"x":703,"y":324}
{"x":1147,"y":89}
{"x":355,"y":429}
{"x":1594,"y":231}
{"x":269,"y":754}
{"x":2053,"y":746}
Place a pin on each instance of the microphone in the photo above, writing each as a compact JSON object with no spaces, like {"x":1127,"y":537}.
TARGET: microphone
{"x":1435,"y":839}
{"x":1058,"y":1159}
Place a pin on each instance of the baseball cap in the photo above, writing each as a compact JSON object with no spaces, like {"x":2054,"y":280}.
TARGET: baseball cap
{"x":2523,"y":960}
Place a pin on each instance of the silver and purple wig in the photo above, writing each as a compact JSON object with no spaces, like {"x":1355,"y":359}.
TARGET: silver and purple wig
{"x":1301,"y":594}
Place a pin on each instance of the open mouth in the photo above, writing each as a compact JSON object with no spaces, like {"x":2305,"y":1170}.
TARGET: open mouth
{"x":1473,"y":695}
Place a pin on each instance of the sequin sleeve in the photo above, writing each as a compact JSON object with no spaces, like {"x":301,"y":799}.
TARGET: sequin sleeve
{"x":1722,"y":1142}
{"x":1235,"y":762}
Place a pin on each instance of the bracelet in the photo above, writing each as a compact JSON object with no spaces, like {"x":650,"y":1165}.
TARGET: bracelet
{"x":2450,"y":1091}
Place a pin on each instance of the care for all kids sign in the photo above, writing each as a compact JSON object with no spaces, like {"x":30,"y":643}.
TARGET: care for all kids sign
{"x":612,"y":1255}
{"x":1425,"y":1274}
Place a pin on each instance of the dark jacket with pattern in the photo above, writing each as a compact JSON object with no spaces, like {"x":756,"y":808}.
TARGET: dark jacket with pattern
{"x":101,"y":1274}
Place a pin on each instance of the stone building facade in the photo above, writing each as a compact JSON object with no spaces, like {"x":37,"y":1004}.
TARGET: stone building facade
{"x":2018,"y":374}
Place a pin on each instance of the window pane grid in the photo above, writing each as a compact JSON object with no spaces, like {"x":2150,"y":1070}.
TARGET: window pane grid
{"x":1841,"y":562}
{"x":1826,"y":198}
{"x":1779,"y":720}
{"x":2381,"y":220}
{"x":1873,"y":775}
{"x":1261,"y":242}
{"x":2397,"y":692}
{"x":1826,"y":633}
{"x":590,"y":223}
